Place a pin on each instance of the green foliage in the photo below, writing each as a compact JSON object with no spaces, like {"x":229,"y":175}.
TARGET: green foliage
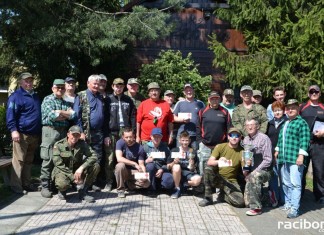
{"x":3,"y":130}
{"x":172,"y":71}
{"x":285,"y":42}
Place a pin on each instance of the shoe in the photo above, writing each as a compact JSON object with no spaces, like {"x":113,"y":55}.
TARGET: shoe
{"x":30,"y":188}
{"x":321,"y":201}
{"x":83,"y":195}
{"x":121,"y":194}
{"x":176,"y":194}
{"x":273,"y":199}
{"x":285,"y":208}
{"x":292,"y":214}
{"x":95,"y":188}
{"x":152,"y":193}
{"x":254,"y":212}
{"x":206,"y":202}
{"x":108,"y":187}
{"x":46,"y":193}
{"x":61,"y":195}
{"x":221,"y":196}
{"x":23,"y":192}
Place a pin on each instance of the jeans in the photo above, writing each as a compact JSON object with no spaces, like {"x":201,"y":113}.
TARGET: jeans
{"x":275,"y":184}
{"x":165,"y":182}
{"x":292,"y":184}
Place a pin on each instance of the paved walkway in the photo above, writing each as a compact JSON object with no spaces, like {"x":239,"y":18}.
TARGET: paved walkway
{"x":139,"y":214}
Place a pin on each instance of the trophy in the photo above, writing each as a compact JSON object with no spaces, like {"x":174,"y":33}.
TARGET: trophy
{"x":247,"y":157}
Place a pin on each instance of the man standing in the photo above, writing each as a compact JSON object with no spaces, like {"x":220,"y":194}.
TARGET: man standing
{"x":152,"y":113}
{"x":74,"y":162}
{"x":258,"y":169}
{"x":248,"y":110}
{"x":224,"y":170}
{"x":313,"y":112}
{"x":132,"y":91}
{"x":169,"y":97}
{"x":279,"y":94}
{"x":24,"y":122}
{"x":213,"y":123}
{"x":291,"y":152}
{"x":122,"y":114}
{"x":256,"y":97}
{"x":92,"y":115}
{"x":56,"y":113}
{"x":189,"y":106}
{"x":228,"y":100}
{"x":70,"y":86}
{"x":130,"y":157}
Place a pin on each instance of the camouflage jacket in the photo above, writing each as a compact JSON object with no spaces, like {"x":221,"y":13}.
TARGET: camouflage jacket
{"x":241,"y":114}
{"x":137,"y":99}
{"x":67,"y":161}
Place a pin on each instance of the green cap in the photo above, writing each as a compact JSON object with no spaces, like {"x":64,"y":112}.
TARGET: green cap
{"x":153,"y":85}
{"x":213,"y":94}
{"x":75,"y":129}
{"x":168,"y":92}
{"x":132,"y":81}
{"x":58,"y":82}
{"x":246,"y":88}
{"x":234,"y":129}
{"x":228,"y":92}
{"x":257,"y":93}
{"x":292,"y":101}
{"x":118,"y":81}
{"x":25,"y":75}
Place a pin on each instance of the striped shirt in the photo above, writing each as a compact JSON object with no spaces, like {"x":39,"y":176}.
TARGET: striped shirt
{"x":261,"y":148}
{"x":49,"y":105}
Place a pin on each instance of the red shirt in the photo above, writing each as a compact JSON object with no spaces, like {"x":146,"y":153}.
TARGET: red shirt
{"x":146,"y":112}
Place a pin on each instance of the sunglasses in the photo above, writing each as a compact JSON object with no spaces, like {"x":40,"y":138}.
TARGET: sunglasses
{"x":313,"y":92}
{"x":234,"y":135}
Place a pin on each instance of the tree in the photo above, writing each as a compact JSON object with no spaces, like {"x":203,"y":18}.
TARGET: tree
{"x":285,"y":45}
{"x":172,"y":71}
{"x":56,"y":38}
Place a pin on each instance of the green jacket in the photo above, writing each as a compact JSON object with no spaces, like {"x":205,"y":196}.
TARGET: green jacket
{"x":67,"y":161}
{"x":241,"y":114}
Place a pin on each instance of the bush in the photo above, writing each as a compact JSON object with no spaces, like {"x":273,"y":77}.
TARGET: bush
{"x":5,"y":141}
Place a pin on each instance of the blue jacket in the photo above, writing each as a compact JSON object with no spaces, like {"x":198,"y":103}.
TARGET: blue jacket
{"x":24,"y":113}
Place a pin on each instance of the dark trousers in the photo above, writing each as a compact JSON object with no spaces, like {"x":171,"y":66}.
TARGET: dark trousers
{"x":317,"y":154}
{"x":166,"y":180}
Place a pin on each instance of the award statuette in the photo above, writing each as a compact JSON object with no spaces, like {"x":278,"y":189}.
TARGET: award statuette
{"x":247,"y":158}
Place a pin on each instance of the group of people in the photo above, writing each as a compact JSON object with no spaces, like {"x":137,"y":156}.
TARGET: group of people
{"x":91,"y":139}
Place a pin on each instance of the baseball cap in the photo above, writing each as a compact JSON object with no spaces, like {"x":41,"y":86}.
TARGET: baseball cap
{"x":75,"y":129}
{"x":156,"y":131}
{"x":234,"y":129}
{"x":132,"y":81}
{"x":187,"y":85}
{"x":257,"y":93}
{"x":69,"y":79}
{"x":153,"y":85}
{"x":213,"y":94}
{"x":228,"y":92}
{"x":58,"y":82}
{"x":103,"y":77}
{"x":25,"y":75}
{"x":314,"y":87}
{"x":118,"y":81}
{"x":168,"y":92}
{"x":292,"y":101}
{"x":246,"y":88}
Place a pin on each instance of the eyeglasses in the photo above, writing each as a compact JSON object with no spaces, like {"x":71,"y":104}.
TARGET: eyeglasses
{"x":234,"y":135}
{"x":313,"y":92}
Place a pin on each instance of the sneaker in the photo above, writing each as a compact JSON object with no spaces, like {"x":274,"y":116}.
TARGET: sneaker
{"x":254,"y":212}
{"x":292,"y":214}
{"x":61,"y":195}
{"x":206,"y":202}
{"x":176,"y":194}
{"x":95,"y":188}
{"x":23,"y":192}
{"x":108,"y":187}
{"x":46,"y":193}
{"x":285,"y":208}
{"x":83,"y":195}
{"x":273,"y":199}
{"x":30,"y":188}
{"x":121,"y":194}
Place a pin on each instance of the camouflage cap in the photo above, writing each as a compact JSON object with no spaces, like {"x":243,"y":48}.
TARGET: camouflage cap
{"x":103,"y":77}
{"x":246,"y":88}
{"x":75,"y":129}
{"x":118,"y":81}
{"x":292,"y":101}
{"x":168,"y":92}
{"x":257,"y":93}
{"x":132,"y":81}
{"x":213,"y":94}
{"x":228,"y":91}
{"x":233,"y":129}
{"x":58,"y":82}
{"x":25,"y":75}
{"x":153,"y":85}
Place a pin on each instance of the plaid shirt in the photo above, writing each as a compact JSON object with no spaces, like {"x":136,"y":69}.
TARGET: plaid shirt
{"x":293,"y":139}
{"x":49,"y":105}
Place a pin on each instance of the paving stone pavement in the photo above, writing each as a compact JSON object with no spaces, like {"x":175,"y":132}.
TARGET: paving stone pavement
{"x":140,"y":214}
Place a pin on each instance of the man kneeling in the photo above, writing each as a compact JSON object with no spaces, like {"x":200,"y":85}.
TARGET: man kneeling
{"x":130,"y":157}
{"x":74,"y":162}
{"x":224,"y":168}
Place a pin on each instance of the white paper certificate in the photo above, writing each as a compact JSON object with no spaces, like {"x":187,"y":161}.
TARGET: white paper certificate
{"x":184,"y":115}
{"x":157,"y":155}
{"x":141,"y":175}
{"x":318,"y":126}
{"x":225,"y":163}
{"x":178,"y":155}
